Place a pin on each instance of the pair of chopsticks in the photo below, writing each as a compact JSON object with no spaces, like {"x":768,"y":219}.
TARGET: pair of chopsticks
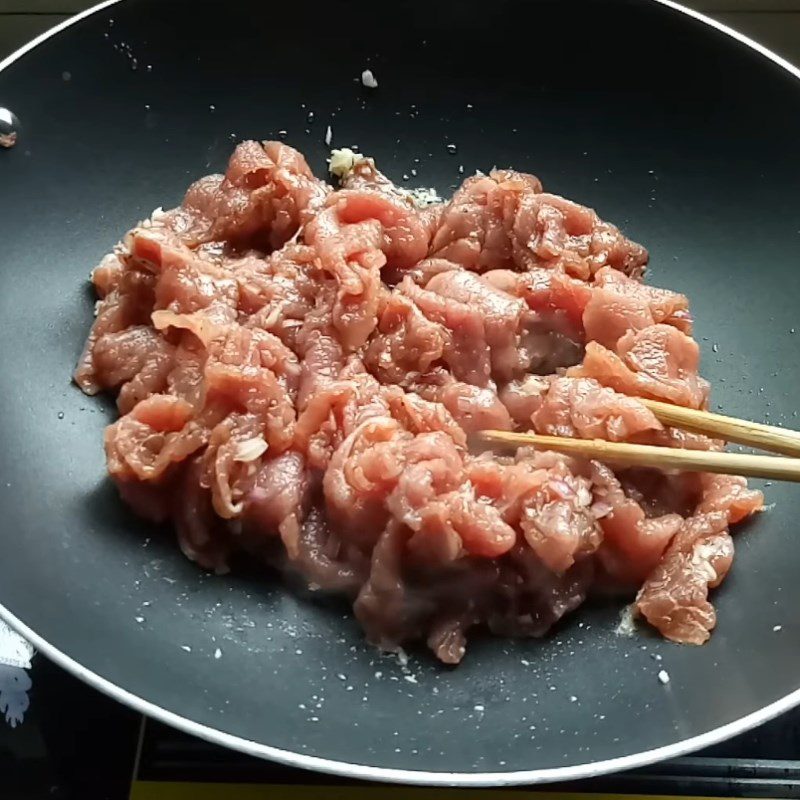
{"x":752,"y":434}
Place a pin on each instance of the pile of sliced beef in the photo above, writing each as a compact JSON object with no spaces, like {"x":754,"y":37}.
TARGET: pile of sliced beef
{"x":298,"y":371}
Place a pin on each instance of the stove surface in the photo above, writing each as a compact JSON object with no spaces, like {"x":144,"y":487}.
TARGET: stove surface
{"x":62,"y":740}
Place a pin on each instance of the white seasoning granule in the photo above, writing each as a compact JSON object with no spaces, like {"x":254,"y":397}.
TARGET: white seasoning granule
{"x":218,"y":653}
{"x":342,"y":162}
{"x":410,"y":678}
{"x":627,"y":622}
{"x":250,"y":449}
{"x":186,"y":648}
{"x":423,"y":197}
{"x":663,"y":676}
{"x":368,"y":79}
{"x":328,"y":136}
{"x":777,"y":628}
{"x":480,"y":709}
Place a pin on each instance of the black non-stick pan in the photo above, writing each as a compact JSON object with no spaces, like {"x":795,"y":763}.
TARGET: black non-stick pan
{"x":679,"y":132}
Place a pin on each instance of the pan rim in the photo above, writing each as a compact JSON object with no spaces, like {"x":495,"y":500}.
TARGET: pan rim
{"x":45,"y":35}
{"x":387,"y":774}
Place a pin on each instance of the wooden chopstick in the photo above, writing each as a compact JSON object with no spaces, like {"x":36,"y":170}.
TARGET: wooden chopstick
{"x":754,"y":466}
{"x":741,"y":431}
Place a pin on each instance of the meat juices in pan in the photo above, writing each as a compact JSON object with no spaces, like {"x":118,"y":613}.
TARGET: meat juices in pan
{"x":298,"y":370}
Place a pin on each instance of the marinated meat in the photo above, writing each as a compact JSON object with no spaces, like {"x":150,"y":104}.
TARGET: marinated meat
{"x":299,"y":371}
{"x":659,"y":362}
{"x":582,"y":408}
{"x":674,"y":597}
{"x":505,"y":220}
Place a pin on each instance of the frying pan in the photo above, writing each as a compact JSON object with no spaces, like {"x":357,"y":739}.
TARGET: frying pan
{"x":681,"y":133}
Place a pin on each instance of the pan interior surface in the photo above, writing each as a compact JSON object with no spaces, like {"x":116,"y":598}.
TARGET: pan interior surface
{"x":681,"y":135}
